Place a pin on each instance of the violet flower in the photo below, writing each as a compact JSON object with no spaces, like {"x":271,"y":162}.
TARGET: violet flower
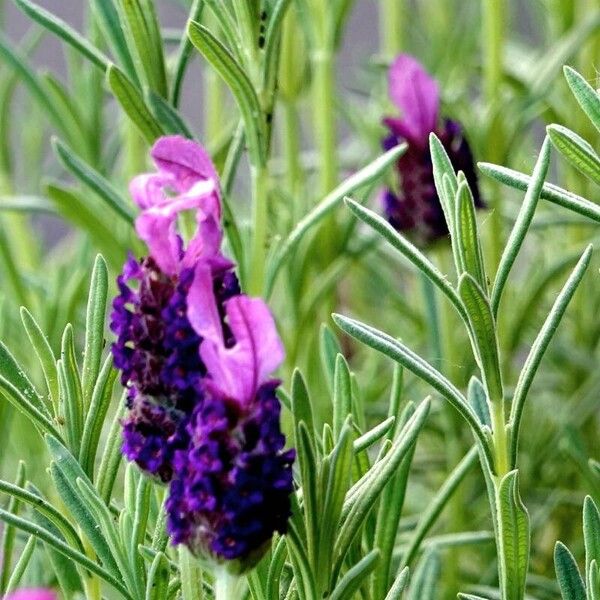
{"x":32,"y":594}
{"x":197,"y":356}
{"x":414,"y":206}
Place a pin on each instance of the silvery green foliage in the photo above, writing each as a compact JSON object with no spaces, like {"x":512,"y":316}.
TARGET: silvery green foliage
{"x":389,"y":480}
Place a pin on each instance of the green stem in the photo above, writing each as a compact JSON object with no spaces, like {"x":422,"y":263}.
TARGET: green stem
{"x":493,"y":28}
{"x":228,"y":586}
{"x":390,"y":27}
{"x":191,"y":576}
{"x":500,"y":439}
{"x":293,"y":164}
{"x":260,"y":184}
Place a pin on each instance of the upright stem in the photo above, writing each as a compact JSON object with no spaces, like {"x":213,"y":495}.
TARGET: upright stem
{"x":260,"y":184}
{"x":493,"y":26}
{"x":390,"y":27}
{"x":293,"y":164}
{"x":500,"y":439}
{"x":190,"y":575}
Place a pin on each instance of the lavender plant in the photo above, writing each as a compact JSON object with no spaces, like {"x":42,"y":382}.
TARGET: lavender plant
{"x":187,"y":408}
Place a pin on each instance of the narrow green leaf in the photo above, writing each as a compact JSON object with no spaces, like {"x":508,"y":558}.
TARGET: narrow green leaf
{"x":410,"y":251}
{"x":485,"y":342}
{"x":398,"y":586}
{"x":425,"y":579}
{"x":158,"y":578}
{"x":329,"y":348}
{"x":301,"y":405}
{"x":550,"y":192}
{"x":70,"y":391}
{"x":68,"y":551}
{"x":133,"y":104}
{"x":478,"y":400}
{"x":576,"y":150}
{"x":400,"y":353}
{"x":142,"y":34}
{"x":241,"y":87}
{"x":513,"y":521}
{"x":372,"y":436}
{"x":567,"y":572}
{"x":433,"y":510}
{"x":355,"y":576}
{"x":443,"y":167}
{"x":364,"y":500}
{"x":539,"y":348}
{"x":94,"y":328}
{"x":112,"y":457}
{"x":95,"y":417}
{"x":93,"y":180}
{"x":21,"y":566}
{"x":585,"y":94}
{"x":591,"y":534}
{"x":308,"y":471}
{"x":168,"y":117}
{"x":519,"y":231}
{"x":64,"y":31}
{"x":372,"y":172}
{"x":107,"y":17}
{"x":342,"y":395}
{"x":44,"y":353}
{"x":7,"y":537}
{"x":467,"y":237}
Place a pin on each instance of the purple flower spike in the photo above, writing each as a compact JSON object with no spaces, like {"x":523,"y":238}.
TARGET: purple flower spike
{"x":197,"y":358}
{"x":32,"y":594}
{"x":413,"y":205}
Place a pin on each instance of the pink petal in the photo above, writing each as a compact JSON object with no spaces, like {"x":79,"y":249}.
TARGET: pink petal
{"x":202,"y":311}
{"x":158,"y":231}
{"x":416,"y":94}
{"x":32,"y":594}
{"x":239,"y":371}
{"x":185,"y":160}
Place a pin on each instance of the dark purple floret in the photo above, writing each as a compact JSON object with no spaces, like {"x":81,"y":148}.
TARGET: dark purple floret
{"x":232,"y":486}
{"x":416,"y":207}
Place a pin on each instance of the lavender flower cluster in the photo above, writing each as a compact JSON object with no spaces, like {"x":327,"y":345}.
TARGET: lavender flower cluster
{"x":196,"y":356}
{"x":414,"y":205}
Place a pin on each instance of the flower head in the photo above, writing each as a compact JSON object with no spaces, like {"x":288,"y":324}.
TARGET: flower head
{"x":32,"y":594}
{"x":197,"y":357}
{"x":414,"y":205}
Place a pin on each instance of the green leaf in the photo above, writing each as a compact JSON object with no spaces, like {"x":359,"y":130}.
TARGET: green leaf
{"x":442,"y":167}
{"x":112,"y":457}
{"x":355,"y":576}
{"x":372,"y":172}
{"x":478,"y":400}
{"x":395,"y":592}
{"x":329,"y":348}
{"x":64,"y":548}
{"x":65,"y":471}
{"x":64,"y":31}
{"x":372,"y":436}
{"x":70,"y":391}
{"x":14,"y":374}
{"x":142,"y":35}
{"x":301,"y":405}
{"x":539,"y":347}
{"x":550,"y":192}
{"x":569,"y":579}
{"x":485,"y":342}
{"x":93,"y":180}
{"x":241,"y":87}
{"x":400,"y":353}
{"x":369,"y":490}
{"x":7,"y":537}
{"x":94,"y":329}
{"x":519,"y":231}
{"x":133,"y":104}
{"x":431,"y":513}
{"x":585,"y":94}
{"x":591,"y":534}
{"x":513,"y":522}
{"x":576,"y":150}
{"x":100,"y":402}
{"x":44,"y":353}
{"x":425,"y":579}
{"x":168,"y":117}
{"x":158,"y":578}
{"x":107,"y":17}
{"x":21,"y":566}
{"x":467,"y":237}
{"x":342,"y":395}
